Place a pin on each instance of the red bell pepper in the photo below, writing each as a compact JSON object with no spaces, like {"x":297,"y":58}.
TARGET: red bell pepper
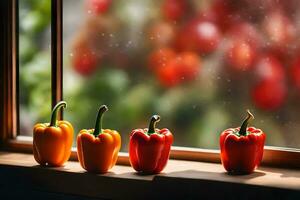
{"x":242,"y":148}
{"x":149,"y":149}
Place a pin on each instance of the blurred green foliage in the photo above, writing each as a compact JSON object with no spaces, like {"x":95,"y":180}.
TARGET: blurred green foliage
{"x":34,"y":62}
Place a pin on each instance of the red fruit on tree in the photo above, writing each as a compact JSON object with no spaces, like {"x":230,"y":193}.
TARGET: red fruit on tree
{"x":84,"y":61}
{"x":280,"y":32}
{"x":168,"y":76}
{"x":189,"y":65}
{"x":279,"y":29}
{"x":269,"y":94}
{"x":184,"y":67}
{"x":220,"y":13}
{"x":243,"y":45}
{"x":98,"y":6}
{"x":207,"y":36}
{"x":174,"y":9}
{"x":160,"y":57}
{"x":245,"y":32}
{"x":199,"y":35}
{"x":269,"y":67}
{"x":240,"y":55}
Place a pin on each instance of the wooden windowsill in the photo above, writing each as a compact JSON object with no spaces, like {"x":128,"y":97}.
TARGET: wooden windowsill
{"x":186,"y":179}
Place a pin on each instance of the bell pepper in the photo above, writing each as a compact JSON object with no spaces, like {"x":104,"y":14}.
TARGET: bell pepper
{"x":98,"y":148}
{"x":242,"y":148}
{"x":149,"y":149}
{"x":52,"y":142}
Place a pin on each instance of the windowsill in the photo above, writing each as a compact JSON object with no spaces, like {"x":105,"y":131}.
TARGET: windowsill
{"x":179,"y":179}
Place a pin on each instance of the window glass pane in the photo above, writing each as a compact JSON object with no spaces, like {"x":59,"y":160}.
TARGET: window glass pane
{"x":198,"y":64}
{"x":34,"y":62}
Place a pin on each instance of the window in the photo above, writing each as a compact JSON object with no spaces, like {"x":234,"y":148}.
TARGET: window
{"x":34,"y":63}
{"x":199,"y":67}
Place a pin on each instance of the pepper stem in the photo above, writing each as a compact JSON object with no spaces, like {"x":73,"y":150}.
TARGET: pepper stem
{"x":60,"y":104}
{"x":243,"y":129}
{"x":153,"y":121}
{"x":98,"y":126}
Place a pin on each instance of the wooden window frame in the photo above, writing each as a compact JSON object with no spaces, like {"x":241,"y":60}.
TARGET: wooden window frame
{"x":273,"y":156}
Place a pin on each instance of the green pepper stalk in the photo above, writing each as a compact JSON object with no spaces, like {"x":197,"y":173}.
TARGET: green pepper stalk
{"x":98,"y":126}
{"x":243,"y":129}
{"x":152,"y":124}
{"x":60,"y":104}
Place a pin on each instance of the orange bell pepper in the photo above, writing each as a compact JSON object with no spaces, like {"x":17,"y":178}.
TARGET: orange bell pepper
{"x":52,"y":142}
{"x":98,"y":148}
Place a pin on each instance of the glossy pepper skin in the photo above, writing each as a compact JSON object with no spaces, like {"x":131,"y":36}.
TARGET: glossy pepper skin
{"x":98,"y":148}
{"x":52,"y":142}
{"x":242,"y":148}
{"x":149,"y":149}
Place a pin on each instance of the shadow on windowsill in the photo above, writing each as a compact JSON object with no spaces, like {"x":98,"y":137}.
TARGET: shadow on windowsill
{"x":217,"y":176}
